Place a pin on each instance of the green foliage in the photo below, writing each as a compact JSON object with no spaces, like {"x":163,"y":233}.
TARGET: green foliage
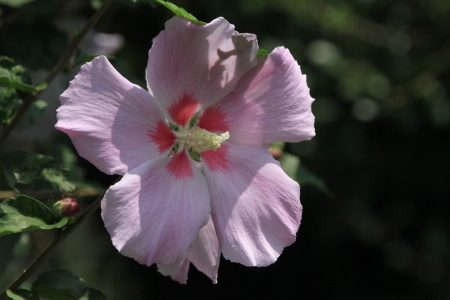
{"x":12,"y":76}
{"x":292,"y":166}
{"x":181,"y":12}
{"x":15,"y":3}
{"x":36,"y":110}
{"x":262,"y":52}
{"x":81,"y":58}
{"x":57,"y":285}
{"x":25,"y":213}
{"x":25,"y":168}
{"x":13,"y":85}
{"x":22,"y":294}
{"x":63,"y":285}
{"x":9,"y":103}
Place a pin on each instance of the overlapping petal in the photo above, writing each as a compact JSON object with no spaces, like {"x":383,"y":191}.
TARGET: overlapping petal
{"x":192,"y":65}
{"x":255,"y":205}
{"x":153,"y":214}
{"x":271,"y":103}
{"x":204,"y":255}
{"x":109,"y":119}
{"x":205,"y":251}
{"x":177,"y":270}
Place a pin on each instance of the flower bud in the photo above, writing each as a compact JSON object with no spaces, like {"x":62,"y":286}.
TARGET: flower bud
{"x":67,"y":207}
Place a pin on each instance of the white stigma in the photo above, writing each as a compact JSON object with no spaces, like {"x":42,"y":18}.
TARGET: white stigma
{"x":199,"y":140}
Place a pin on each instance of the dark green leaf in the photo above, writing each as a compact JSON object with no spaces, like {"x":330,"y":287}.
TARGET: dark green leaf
{"x":60,"y":285}
{"x":25,"y":167}
{"x":93,"y":294}
{"x":305,"y":177}
{"x":36,"y":110}
{"x":9,"y":103}
{"x":25,"y":213}
{"x":10,"y":78}
{"x":262,"y":52}
{"x":28,"y":206}
{"x":15,"y":3}
{"x":181,"y":12}
{"x":22,"y":294}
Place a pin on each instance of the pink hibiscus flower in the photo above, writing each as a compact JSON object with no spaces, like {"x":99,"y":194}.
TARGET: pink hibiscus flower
{"x":198,"y":179}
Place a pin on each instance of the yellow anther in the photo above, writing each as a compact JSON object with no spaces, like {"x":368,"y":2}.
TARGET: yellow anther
{"x":199,"y":140}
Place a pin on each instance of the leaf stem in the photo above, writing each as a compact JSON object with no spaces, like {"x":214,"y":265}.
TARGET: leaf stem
{"x":56,"y":70}
{"x":59,"y":238}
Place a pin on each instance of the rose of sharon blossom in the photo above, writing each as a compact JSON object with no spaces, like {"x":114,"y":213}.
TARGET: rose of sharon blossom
{"x":211,"y":98}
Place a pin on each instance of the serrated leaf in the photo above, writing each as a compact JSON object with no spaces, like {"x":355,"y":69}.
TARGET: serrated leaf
{"x":11,"y":76}
{"x":262,"y":52}
{"x":7,"y":78}
{"x":63,"y":285}
{"x":26,"y":167}
{"x":181,"y":12}
{"x":25,"y":213}
{"x":22,"y":294}
{"x":36,"y":110}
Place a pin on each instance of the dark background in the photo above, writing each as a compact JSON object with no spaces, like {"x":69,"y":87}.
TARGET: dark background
{"x":379,"y":71}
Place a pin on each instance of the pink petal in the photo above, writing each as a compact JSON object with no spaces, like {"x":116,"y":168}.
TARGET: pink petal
{"x":110,"y":120}
{"x":201,"y":62}
{"x":154,"y":216}
{"x":271,"y":103}
{"x":255,"y":205}
{"x":177,"y":270}
{"x":205,"y":251}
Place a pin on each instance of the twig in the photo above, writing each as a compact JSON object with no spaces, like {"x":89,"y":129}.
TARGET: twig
{"x":53,"y":245}
{"x":56,"y":70}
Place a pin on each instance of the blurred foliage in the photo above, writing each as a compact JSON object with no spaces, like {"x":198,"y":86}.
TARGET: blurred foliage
{"x":380,"y":74}
{"x":58,"y":285}
{"x":25,"y":213}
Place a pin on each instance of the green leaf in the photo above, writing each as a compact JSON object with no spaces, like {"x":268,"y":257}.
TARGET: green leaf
{"x":22,"y":294}
{"x":25,"y":213}
{"x":63,"y":285}
{"x":9,"y":103}
{"x":15,"y":3}
{"x":11,"y":78}
{"x":36,"y":110}
{"x":305,"y":177}
{"x":181,"y":12}
{"x":26,"y":167}
{"x":292,"y":166}
{"x":28,"y":206}
{"x":93,"y":294}
{"x":262,"y":52}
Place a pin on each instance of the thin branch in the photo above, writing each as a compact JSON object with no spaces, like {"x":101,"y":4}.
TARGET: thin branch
{"x":46,"y":194}
{"x":56,"y":70}
{"x":36,"y":263}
